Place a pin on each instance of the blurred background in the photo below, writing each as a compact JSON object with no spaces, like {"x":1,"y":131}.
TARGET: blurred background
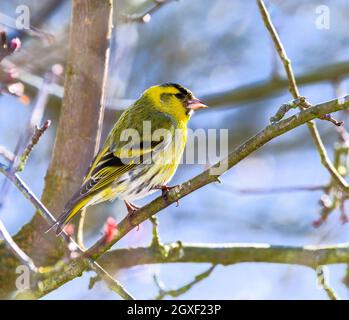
{"x":217,"y":49}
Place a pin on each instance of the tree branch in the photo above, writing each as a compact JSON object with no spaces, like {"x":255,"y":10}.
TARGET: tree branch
{"x":324,"y":284}
{"x":228,"y":254}
{"x":177,"y":292}
{"x":279,"y":48}
{"x":15,"y":249}
{"x":38,"y":132}
{"x":78,"y":132}
{"x":76,"y":267}
{"x":24,"y":140}
{"x":46,"y":285}
{"x":325,"y":160}
{"x":206,"y":177}
{"x":11,"y":244}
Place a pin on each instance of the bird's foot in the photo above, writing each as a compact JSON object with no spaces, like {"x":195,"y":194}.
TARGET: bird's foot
{"x":131,"y":210}
{"x":164,"y":191}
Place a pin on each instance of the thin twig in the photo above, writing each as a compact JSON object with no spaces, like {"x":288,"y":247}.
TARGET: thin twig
{"x":38,"y":111}
{"x":329,"y":201}
{"x":38,"y":132}
{"x":334,"y":197}
{"x":252,"y":191}
{"x":279,"y":48}
{"x":18,"y":252}
{"x":177,"y":292}
{"x":76,"y":266}
{"x":295,"y":94}
{"x":280,"y":113}
{"x":323,"y":283}
{"x":112,"y":283}
{"x":206,"y":177}
{"x":15,"y":249}
{"x":35,"y":119}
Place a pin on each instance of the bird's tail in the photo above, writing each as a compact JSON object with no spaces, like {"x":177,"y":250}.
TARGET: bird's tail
{"x":71,"y":209}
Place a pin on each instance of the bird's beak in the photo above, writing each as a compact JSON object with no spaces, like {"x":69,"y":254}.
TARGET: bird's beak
{"x":195,"y":104}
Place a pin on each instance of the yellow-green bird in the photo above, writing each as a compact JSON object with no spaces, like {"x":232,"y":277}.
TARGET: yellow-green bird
{"x":141,"y":153}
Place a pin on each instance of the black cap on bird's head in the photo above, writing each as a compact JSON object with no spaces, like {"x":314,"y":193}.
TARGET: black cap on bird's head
{"x":190,"y":101}
{"x":172,"y":99}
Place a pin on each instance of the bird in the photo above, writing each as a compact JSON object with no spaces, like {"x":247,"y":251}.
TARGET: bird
{"x":131,"y":170}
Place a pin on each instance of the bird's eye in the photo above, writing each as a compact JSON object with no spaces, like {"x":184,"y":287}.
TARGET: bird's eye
{"x":180,"y":96}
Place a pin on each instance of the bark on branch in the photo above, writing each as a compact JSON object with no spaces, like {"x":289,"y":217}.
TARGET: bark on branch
{"x":270,"y":132}
{"x":228,"y":254}
{"x":78,"y":131}
{"x":76,"y":267}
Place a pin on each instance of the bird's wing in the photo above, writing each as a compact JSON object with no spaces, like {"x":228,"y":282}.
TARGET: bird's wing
{"x":105,"y":168}
{"x":112,"y":162}
{"x":114,"y":159}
